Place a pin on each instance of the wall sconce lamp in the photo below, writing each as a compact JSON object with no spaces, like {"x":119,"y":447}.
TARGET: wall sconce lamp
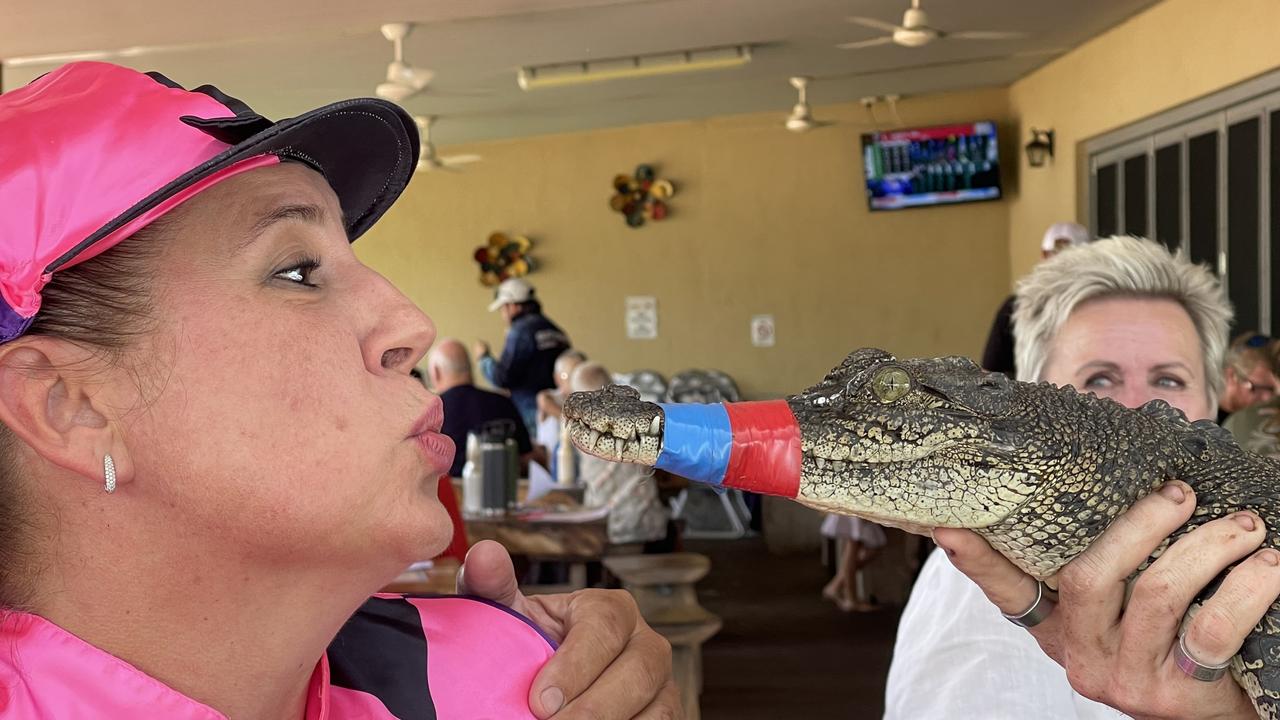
{"x":1040,"y":148}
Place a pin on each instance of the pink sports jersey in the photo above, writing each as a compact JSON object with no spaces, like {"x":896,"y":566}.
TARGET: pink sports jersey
{"x":399,"y":657}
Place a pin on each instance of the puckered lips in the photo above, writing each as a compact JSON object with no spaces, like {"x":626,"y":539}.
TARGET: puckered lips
{"x":437,"y":449}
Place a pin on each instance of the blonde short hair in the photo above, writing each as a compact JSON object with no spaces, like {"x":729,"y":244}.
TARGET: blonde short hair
{"x":589,"y":376}
{"x":1117,"y":266}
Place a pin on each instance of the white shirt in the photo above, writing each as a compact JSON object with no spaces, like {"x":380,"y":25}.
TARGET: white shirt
{"x":957,"y":657}
{"x":635,"y":513}
{"x":548,"y":435}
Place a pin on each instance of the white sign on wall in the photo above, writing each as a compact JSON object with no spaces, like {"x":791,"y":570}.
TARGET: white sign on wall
{"x":762,"y":331}
{"x":642,"y":317}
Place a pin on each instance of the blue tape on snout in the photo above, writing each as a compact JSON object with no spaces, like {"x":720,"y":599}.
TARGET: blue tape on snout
{"x":696,"y":440}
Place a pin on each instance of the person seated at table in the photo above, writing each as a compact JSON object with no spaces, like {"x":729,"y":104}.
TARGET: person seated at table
{"x":635,"y":512}
{"x":1257,"y":427}
{"x":212,"y":454}
{"x":551,"y":402}
{"x":467,"y":408}
{"x":1248,"y":376}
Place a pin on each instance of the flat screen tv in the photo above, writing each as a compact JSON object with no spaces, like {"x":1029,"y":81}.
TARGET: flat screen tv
{"x":931,"y":166}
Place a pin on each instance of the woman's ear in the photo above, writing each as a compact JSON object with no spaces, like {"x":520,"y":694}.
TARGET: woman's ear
{"x":52,"y":397}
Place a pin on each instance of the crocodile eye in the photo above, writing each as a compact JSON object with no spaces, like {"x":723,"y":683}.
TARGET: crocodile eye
{"x":890,"y":384}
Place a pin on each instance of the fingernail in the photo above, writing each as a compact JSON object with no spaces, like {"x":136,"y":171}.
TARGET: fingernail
{"x":1246,"y":521}
{"x":1270,"y":557}
{"x":459,"y":583}
{"x":552,"y":699}
{"x":1174,"y":492}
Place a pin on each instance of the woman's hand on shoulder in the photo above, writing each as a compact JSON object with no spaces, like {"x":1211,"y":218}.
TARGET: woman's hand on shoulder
{"x":1124,"y":655}
{"x":610,"y":665}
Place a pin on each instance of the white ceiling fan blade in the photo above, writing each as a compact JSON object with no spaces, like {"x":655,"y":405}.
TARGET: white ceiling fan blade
{"x":874,"y":23}
{"x":395,"y":92}
{"x":1043,"y":52}
{"x":798,"y":127}
{"x":873,"y":42}
{"x":416,"y":78}
{"x":455,"y":160}
{"x":985,"y":35}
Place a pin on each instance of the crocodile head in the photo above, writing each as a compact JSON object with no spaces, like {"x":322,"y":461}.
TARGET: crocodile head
{"x":915,"y":443}
{"x":615,"y":424}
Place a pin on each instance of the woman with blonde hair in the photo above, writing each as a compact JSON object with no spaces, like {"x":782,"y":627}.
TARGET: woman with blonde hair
{"x":1124,"y":319}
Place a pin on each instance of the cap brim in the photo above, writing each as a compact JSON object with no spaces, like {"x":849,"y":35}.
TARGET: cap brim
{"x":366,"y":149}
{"x":497,"y":304}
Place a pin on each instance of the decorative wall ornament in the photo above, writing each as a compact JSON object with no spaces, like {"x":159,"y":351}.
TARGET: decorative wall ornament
{"x":504,"y":256}
{"x":642,"y":197}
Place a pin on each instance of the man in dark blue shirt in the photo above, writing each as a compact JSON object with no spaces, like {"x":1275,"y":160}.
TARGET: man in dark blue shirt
{"x":467,"y":407}
{"x":529,"y":356}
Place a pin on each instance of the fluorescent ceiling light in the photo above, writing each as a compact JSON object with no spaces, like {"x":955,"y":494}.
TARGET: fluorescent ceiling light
{"x":589,"y":71}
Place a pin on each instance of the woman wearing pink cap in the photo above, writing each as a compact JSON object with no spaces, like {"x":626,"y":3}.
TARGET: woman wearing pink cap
{"x":211,"y":449}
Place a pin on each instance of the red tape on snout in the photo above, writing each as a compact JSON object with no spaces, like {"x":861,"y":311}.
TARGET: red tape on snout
{"x":765,"y":457}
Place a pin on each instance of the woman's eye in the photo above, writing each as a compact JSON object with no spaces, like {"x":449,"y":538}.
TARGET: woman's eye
{"x":1099,"y":382}
{"x":299,"y":273}
{"x":1170,"y":383}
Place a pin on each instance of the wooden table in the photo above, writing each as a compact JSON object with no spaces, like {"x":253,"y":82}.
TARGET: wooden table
{"x":439,"y":580}
{"x":546,"y":540}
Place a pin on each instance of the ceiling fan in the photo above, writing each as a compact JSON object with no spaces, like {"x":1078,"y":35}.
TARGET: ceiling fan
{"x":403,"y":80}
{"x":915,"y":31}
{"x":428,"y":160}
{"x":801,"y":118}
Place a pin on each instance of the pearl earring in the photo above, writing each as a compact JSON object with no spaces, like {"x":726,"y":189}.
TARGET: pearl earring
{"x":109,"y":470}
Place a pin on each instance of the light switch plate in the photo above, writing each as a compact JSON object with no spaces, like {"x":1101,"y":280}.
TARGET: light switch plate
{"x":642,"y":317}
{"x":762,"y":331}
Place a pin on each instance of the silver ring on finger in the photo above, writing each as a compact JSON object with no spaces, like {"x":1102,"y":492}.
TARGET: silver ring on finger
{"x":1036,"y":614}
{"x":1195,"y":668}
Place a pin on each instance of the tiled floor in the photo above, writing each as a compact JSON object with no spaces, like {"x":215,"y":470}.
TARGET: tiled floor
{"x":785,"y":652}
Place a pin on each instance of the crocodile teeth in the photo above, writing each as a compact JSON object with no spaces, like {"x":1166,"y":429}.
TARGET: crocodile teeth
{"x":655,"y":427}
{"x":591,"y":441}
{"x":618,"y":445}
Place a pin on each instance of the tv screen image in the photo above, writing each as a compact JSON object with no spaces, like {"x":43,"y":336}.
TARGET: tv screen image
{"x":931,"y":166}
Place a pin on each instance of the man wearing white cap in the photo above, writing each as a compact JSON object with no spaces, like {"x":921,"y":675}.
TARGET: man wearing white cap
{"x":998,"y":355}
{"x":527,"y":365}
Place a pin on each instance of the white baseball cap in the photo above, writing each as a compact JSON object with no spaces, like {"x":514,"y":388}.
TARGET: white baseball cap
{"x":512,"y":290}
{"x":1076,"y":233}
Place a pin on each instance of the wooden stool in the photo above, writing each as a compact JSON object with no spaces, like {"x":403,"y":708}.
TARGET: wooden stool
{"x":663,"y":586}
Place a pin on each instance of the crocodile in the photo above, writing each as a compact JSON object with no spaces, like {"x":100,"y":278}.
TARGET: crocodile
{"x":1038,"y":470}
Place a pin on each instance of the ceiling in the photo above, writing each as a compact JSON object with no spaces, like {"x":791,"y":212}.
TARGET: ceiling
{"x":287,"y":56}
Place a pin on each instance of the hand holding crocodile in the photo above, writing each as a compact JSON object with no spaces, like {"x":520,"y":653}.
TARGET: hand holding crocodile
{"x":1125,"y":657}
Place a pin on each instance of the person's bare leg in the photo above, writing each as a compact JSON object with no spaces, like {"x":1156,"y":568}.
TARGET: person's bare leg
{"x":850,"y":561}
{"x":833,"y":589}
{"x":863,"y":555}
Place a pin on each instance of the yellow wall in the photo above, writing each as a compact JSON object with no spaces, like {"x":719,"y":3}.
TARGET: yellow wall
{"x":764,"y":222}
{"x":1173,"y":53}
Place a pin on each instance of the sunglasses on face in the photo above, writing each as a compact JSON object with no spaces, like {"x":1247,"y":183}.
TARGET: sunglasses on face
{"x":1257,"y":340}
{"x":1259,"y":390}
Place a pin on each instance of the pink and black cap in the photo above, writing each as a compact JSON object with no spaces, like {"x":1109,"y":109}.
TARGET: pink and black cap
{"x":92,"y":152}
